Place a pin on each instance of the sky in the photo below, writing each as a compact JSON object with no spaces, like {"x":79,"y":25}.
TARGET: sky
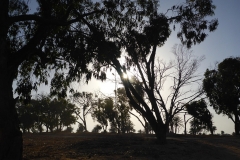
{"x":220,"y":44}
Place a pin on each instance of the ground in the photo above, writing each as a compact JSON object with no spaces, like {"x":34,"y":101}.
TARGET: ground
{"x":129,"y":146}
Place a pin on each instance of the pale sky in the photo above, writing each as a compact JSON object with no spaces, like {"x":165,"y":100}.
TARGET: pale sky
{"x":220,"y":44}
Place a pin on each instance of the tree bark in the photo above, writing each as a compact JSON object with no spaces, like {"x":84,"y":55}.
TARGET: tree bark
{"x":10,"y":134}
{"x":160,"y":133}
{"x":237,"y":124}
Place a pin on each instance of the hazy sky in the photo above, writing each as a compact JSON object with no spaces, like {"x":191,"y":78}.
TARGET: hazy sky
{"x":220,"y":44}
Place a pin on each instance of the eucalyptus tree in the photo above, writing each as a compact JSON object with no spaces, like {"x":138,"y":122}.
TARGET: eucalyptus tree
{"x":141,"y":41}
{"x":201,"y":115}
{"x":26,"y":116}
{"x":30,"y":46}
{"x":121,"y":120}
{"x":139,"y":38}
{"x":97,"y":128}
{"x":104,"y":112}
{"x":176,"y":124}
{"x":85,"y":102}
{"x":222,"y":87}
{"x":195,"y":127}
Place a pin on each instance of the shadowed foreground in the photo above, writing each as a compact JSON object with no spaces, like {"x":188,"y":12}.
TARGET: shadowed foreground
{"x":109,"y":146}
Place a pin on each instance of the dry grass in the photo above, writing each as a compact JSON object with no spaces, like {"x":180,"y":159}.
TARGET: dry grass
{"x":130,"y":146}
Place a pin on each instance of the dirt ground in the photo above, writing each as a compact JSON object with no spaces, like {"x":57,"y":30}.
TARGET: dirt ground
{"x":129,"y":146}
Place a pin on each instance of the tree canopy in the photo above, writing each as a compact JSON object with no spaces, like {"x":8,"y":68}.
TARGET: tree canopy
{"x":222,"y":87}
{"x":53,"y":113}
{"x":202,"y":118}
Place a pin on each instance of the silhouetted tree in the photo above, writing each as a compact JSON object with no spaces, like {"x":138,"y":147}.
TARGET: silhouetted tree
{"x":68,"y":130}
{"x":183,"y":73}
{"x":32,"y":44}
{"x":97,"y":129}
{"x":122,"y":120}
{"x":195,"y":126}
{"x":44,"y":111}
{"x":176,"y":124}
{"x":61,"y":113}
{"x":80,"y":128}
{"x":222,"y":132}
{"x":202,"y":116}
{"x":140,"y":42}
{"x":26,"y":116}
{"x":222,"y":86}
{"x":103,"y":113}
{"x":85,"y":103}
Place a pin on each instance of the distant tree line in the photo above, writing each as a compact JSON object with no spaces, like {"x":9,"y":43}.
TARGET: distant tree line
{"x":52,"y":113}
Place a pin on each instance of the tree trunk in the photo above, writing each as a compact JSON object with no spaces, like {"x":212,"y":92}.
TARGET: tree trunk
{"x":85,"y":125}
{"x":211,"y":128}
{"x":237,"y":124}
{"x":10,"y":134}
{"x":185,"y":128}
{"x":185,"y":124}
{"x":161,"y":136}
{"x":160,"y":131}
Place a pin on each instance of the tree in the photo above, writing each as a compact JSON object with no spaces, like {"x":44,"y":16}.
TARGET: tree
{"x":201,"y":114}
{"x":139,"y":89}
{"x":81,"y":128}
{"x":104,"y":113}
{"x":176,"y":124}
{"x":66,"y":116}
{"x":65,"y":36}
{"x":140,"y":39}
{"x":185,"y":122}
{"x":222,"y":87}
{"x":195,"y":126}
{"x":86,"y":103}
{"x":121,"y":120}
{"x":153,"y":106}
{"x":33,"y":44}
{"x":97,"y":129}
{"x":222,"y":132}
{"x":44,"y":111}
{"x":116,"y":114}
{"x":26,"y":117}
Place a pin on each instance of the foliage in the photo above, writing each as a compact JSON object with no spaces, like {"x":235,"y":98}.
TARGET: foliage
{"x":97,"y":129}
{"x":85,"y":102}
{"x":69,"y":130}
{"x":176,"y":124}
{"x":122,"y":120}
{"x":117,"y":115}
{"x":52,"y":113}
{"x":80,"y":128}
{"x":26,"y":118}
{"x":195,"y":127}
{"x":103,"y":112}
{"x":152,"y":105}
{"x":222,"y":87}
{"x":202,"y":116}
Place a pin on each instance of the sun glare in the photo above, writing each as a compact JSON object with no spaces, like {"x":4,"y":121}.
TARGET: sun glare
{"x":125,"y":76}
